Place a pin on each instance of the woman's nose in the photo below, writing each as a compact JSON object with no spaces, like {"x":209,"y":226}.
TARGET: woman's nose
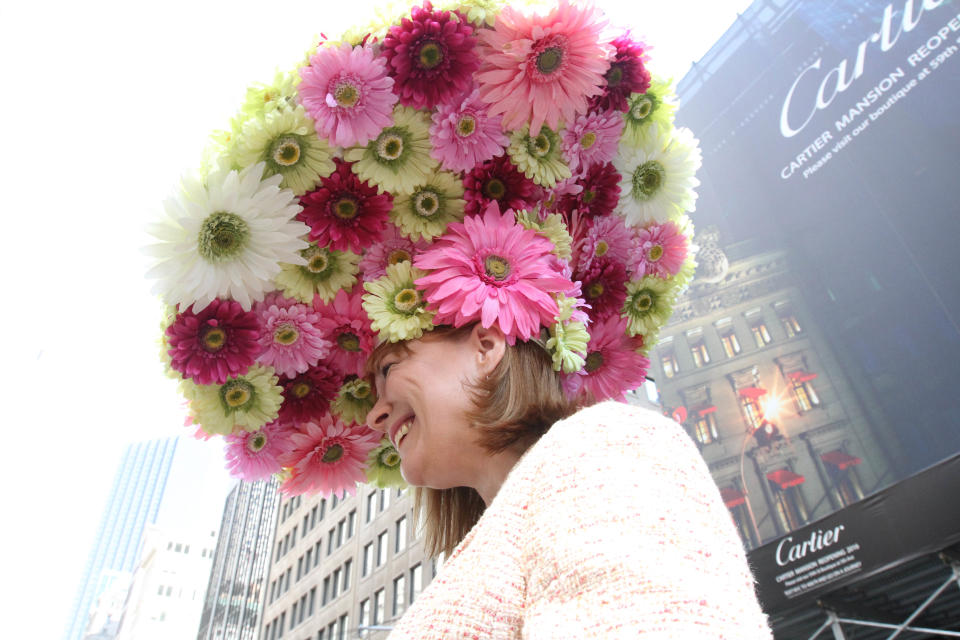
{"x":379,"y":416}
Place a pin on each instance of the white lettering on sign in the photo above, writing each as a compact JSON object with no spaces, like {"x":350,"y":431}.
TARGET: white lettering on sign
{"x":788,"y":552}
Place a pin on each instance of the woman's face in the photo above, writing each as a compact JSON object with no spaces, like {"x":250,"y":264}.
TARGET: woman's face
{"x":422,"y":403}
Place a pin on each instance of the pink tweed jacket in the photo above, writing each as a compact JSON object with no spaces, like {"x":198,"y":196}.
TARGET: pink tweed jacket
{"x":609,"y":527}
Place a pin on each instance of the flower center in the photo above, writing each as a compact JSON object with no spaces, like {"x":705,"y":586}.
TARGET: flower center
{"x":406,"y":300}
{"x":389,"y":146}
{"x":318,"y":260}
{"x":222,"y":237}
{"x":643,"y":301}
{"x":594,"y":290}
{"x":346,"y":95}
{"x":257,"y":441}
{"x":286,"y":151}
{"x":496,"y":267}
{"x":647,"y":180}
{"x":426,"y":203}
{"x":390,"y":458}
{"x":301,"y":389}
{"x":348,"y":341}
{"x":539,"y":146}
{"x":655,"y":253}
{"x":495,"y":189}
{"x":213,"y":339}
{"x":286,"y":334}
{"x":549,"y":60}
{"x":588,"y":139}
{"x":346,"y":208}
{"x":641,"y":108}
{"x":360,"y":390}
{"x":588,"y":196}
{"x":594,"y":361}
{"x":332,"y":454}
{"x":399,"y":255}
{"x":602,"y":248}
{"x":614,"y":75}
{"x":236,"y":394}
{"x":430,"y":54}
{"x":466,"y":125}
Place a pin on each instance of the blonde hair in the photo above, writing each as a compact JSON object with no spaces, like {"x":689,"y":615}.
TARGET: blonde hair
{"x":513,"y":406}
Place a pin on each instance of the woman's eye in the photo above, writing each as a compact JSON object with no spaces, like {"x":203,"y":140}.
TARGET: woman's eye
{"x":385,"y":369}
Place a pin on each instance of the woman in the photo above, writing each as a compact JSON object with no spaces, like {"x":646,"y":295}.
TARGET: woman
{"x":600,"y":523}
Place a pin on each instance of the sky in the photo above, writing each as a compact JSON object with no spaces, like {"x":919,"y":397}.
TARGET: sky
{"x":106,"y":103}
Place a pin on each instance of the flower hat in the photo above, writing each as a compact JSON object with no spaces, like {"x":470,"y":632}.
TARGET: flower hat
{"x":466,"y":162}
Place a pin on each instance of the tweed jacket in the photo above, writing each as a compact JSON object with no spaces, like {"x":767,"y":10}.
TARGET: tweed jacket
{"x":610,"y":526}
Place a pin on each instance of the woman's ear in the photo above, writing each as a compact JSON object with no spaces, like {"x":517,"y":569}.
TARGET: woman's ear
{"x":488,"y":346}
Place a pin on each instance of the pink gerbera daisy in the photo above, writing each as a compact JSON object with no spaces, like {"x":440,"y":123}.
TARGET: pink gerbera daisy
{"x":660,"y":250}
{"x":219,"y":342}
{"x":348,"y":94}
{"x":254,"y":455}
{"x":431,"y":56}
{"x":491,"y":269}
{"x":599,"y":194}
{"x":592,"y":139}
{"x":327,"y":457}
{"x":606,"y":237}
{"x":497,"y":180}
{"x":345,"y":213}
{"x":542,"y":69}
{"x":394,"y":247}
{"x":626,"y":75}
{"x":463,"y":134}
{"x":308,"y":395}
{"x":613,"y":364}
{"x":291,"y":340}
{"x":346,"y":324}
{"x":274,"y":299}
{"x":604,"y":287}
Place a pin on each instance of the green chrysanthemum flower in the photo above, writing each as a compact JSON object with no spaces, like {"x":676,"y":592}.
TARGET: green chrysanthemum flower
{"x":383,"y":467}
{"x":287,"y":143}
{"x":278,"y":95}
{"x":658,"y":105}
{"x":326,"y":272}
{"x":399,"y":158}
{"x":648,"y":306}
{"x":567,"y":345}
{"x":427,"y":211}
{"x":169,"y":317}
{"x":248,"y":401}
{"x":552,"y":228}
{"x":538,"y":157}
{"x":396,"y":307}
{"x":483,"y":13}
{"x":354,"y":400}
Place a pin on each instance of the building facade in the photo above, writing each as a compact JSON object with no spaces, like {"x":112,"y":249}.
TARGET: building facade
{"x":134,"y":502}
{"x":234,"y":595}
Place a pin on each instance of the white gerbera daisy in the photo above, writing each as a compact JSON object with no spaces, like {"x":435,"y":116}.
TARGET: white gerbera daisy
{"x":658,"y":177}
{"x":225,"y":237}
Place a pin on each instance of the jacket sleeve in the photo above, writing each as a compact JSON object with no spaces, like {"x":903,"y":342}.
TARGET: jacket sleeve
{"x":626,"y":536}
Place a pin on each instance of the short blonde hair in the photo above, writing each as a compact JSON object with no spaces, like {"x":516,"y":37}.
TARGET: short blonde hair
{"x":513,"y":406}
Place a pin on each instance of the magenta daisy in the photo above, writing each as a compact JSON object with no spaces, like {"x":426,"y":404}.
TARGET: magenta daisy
{"x":499,"y":181}
{"x":493,"y":270}
{"x":308,"y":396}
{"x":542,"y":69}
{"x":291,"y":340}
{"x":217,"y":343}
{"x":431,"y":56}
{"x":327,"y":457}
{"x":347,"y":325}
{"x":626,"y":75}
{"x":345,"y":213}
{"x":606,"y":237}
{"x":592,"y":139}
{"x":348,"y":94}
{"x":255,"y":455}
{"x":463,"y":134}
{"x":394,"y":247}
{"x":599,"y":194}
{"x":604,"y":287}
{"x":660,"y":250}
{"x":613,"y":364}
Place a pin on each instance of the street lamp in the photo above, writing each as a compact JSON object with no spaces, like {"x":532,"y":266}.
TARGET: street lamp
{"x":765,"y":434}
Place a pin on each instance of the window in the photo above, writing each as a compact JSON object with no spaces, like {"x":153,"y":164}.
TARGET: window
{"x":705,"y":427}
{"x":371,"y":505}
{"x":384,"y":499}
{"x":160,"y":591}
{"x":416,"y":580}
{"x":382,"y":548}
{"x":341,"y":635}
{"x":293,"y":616}
{"x":761,"y":336}
{"x":731,"y":346}
{"x":306,"y":523}
{"x":750,"y":405}
{"x":322,"y":634}
{"x":379,"y":602}
{"x":313,"y":600}
{"x":330,"y":538}
{"x":804,"y":393}
{"x":351,"y":524}
{"x":668,"y":360}
{"x":335,"y":582}
{"x":334,"y":501}
{"x":332,"y":630}
{"x":293,"y":537}
{"x":790,"y":507}
{"x":400,"y":541}
{"x":289,"y":572}
{"x":367,"y":563}
{"x":317,"y":548}
{"x":341,"y":530}
{"x":398,"y":595}
{"x":279,"y":550}
{"x":846,"y":483}
{"x":701,"y":357}
{"x":790,"y":324}
{"x":283,"y":622}
{"x":313,"y":516}
{"x":309,"y":558}
{"x":299,"y":567}
{"x":365,"y":613}
{"x":347,"y":567}
{"x":326,"y":591}
{"x":323,"y":508}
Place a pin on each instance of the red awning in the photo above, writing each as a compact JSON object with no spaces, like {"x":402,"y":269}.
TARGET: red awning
{"x":784,"y":478}
{"x":802,"y":376}
{"x":752,"y":392}
{"x":679,"y":414}
{"x":704,"y":411}
{"x":732,"y":497}
{"x":839,"y":459}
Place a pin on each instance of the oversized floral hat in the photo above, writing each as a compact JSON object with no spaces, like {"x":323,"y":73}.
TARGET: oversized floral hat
{"x":471,"y":163}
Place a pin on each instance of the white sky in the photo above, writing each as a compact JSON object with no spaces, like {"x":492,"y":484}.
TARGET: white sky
{"x":104,"y":104}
